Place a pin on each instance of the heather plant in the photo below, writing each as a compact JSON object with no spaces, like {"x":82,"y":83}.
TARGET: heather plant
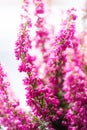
{"x":55,"y":82}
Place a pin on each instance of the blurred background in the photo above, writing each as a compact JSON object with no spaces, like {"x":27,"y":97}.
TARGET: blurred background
{"x":10,"y":11}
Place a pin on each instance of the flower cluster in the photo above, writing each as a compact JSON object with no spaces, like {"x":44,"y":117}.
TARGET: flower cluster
{"x":11,"y":115}
{"x":45,"y":97}
{"x":75,"y":87}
